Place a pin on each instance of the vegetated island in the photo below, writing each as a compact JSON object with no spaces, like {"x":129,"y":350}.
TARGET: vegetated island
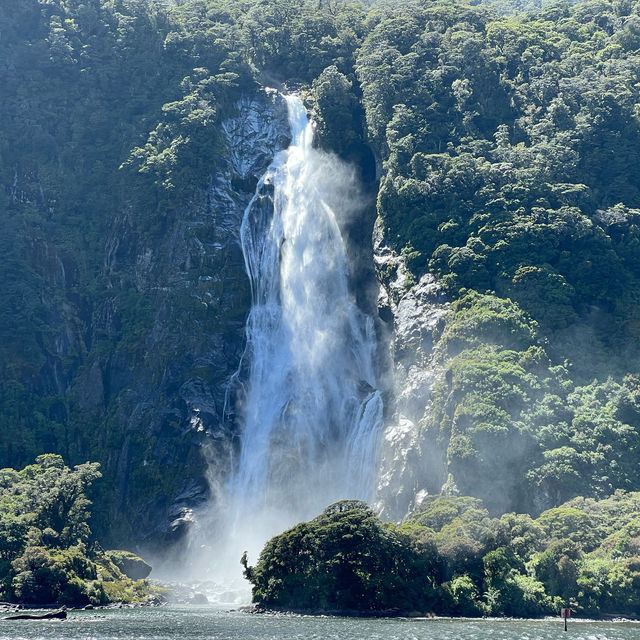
{"x":451,"y":558}
{"x":48,"y":554}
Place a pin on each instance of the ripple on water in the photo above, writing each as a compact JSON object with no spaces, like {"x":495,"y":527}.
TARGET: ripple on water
{"x":208,"y":623}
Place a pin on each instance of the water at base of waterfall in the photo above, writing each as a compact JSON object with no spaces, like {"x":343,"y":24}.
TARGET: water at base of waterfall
{"x":205,"y":623}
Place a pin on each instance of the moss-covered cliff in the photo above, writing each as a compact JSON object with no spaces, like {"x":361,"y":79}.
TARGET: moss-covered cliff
{"x":132,"y":141}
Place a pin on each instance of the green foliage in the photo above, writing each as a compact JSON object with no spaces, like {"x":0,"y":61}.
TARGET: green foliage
{"x":46,"y":576}
{"x":47,"y":553}
{"x":111,"y":125}
{"x":346,"y":559}
{"x":589,"y":453}
{"x":486,"y":319}
{"x":557,"y":568}
{"x":50,"y":498}
{"x":437,"y":512}
{"x":509,"y":151}
{"x":295,"y":40}
{"x":465,"y":596}
{"x":567,"y":523}
{"x":515,"y":430}
{"x":510,"y":147}
{"x":337,"y":112}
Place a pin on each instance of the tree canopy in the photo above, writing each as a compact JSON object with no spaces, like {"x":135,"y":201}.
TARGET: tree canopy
{"x":47,"y":551}
{"x":451,"y":558}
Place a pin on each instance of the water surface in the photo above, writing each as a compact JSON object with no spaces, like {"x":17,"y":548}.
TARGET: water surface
{"x":196,"y":623}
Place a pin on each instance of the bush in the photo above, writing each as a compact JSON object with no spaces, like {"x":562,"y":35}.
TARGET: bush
{"x":345,"y":559}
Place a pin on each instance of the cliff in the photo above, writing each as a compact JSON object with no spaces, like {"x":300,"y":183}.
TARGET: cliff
{"x":134,"y":367}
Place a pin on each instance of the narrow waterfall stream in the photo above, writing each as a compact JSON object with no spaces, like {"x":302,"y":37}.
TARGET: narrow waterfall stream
{"x":311,"y":412}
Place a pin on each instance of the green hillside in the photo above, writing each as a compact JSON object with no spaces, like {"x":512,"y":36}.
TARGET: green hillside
{"x":505,"y":150}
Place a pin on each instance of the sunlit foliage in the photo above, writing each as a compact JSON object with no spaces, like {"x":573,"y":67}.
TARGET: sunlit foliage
{"x":450,"y":558}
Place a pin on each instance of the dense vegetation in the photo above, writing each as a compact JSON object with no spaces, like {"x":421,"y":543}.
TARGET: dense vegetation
{"x":110,"y":128}
{"x":511,"y":172}
{"x":452,"y":558}
{"x":508,"y":158}
{"x":47,"y":552}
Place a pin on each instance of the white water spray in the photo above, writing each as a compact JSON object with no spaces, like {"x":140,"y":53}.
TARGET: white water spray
{"x":311,"y":411}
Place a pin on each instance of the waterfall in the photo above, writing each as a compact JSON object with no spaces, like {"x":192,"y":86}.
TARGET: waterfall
{"x":311,"y":412}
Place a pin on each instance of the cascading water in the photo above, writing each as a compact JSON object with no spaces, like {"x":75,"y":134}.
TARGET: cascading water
{"x":311,"y":411}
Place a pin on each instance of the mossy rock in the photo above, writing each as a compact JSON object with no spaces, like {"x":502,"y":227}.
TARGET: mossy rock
{"x":130,"y":564}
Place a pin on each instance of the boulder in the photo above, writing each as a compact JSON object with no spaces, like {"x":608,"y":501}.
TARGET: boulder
{"x":130,"y":564}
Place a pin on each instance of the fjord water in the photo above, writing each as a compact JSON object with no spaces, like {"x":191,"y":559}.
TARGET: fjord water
{"x":310,"y":410}
{"x":195,"y":623}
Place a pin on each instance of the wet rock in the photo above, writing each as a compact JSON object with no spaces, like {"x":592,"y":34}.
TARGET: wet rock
{"x":198,"y":598}
{"x":418,"y":313}
{"x":168,"y":388}
{"x":130,"y":564}
{"x":59,"y":614}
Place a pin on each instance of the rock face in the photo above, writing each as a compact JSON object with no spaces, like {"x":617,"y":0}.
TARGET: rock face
{"x":173,"y":398}
{"x":134,"y":355}
{"x":139,"y":373}
{"x":409,"y":468}
{"x":130,"y":564}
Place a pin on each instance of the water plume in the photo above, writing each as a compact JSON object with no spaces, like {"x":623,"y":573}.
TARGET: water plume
{"x":310,"y":409}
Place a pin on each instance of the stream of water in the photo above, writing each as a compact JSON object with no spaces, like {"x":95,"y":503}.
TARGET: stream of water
{"x":311,"y":410}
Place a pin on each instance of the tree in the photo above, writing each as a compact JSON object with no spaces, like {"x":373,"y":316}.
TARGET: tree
{"x":346,"y":559}
{"x":557,"y":569}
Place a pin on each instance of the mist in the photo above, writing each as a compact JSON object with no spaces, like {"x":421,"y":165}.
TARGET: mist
{"x":310,"y":411}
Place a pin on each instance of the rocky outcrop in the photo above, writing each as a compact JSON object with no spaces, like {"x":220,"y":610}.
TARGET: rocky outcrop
{"x":130,"y":564}
{"x":140,"y":368}
{"x":59,"y":614}
{"x":169,"y":336}
{"x":409,"y":467}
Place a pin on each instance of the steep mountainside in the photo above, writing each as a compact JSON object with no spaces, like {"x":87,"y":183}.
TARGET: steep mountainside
{"x":511,"y":164}
{"x":125,"y":299}
{"x":504,"y":152}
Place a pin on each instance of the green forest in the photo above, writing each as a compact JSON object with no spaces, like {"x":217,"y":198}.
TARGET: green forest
{"x":47,"y":551}
{"x":506,"y":143}
{"x":452,"y":558}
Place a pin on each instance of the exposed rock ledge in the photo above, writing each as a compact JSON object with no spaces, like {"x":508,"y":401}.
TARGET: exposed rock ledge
{"x":170,"y":414}
{"x":418,"y":312}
